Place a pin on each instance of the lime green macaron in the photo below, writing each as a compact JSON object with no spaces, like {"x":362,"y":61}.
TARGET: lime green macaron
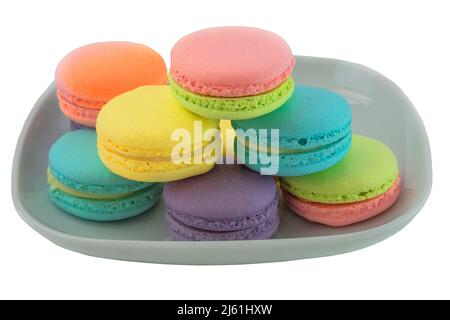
{"x":365,"y":183}
{"x":367,"y":171}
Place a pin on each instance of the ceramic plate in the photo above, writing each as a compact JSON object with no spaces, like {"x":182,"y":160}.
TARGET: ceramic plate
{"x":380,"y":110}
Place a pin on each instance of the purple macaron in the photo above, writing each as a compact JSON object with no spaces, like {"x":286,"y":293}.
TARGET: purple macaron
{"x":230,"y":202}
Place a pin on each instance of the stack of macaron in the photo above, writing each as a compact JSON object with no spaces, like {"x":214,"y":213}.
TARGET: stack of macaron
{"x":147,"y":134}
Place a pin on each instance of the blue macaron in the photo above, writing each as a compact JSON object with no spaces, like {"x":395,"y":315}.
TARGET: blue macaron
{"x":309,"y":133}
{"x":81,"y":185}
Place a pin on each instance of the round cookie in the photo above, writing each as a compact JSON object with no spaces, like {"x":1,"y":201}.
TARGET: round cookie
{"x":231,"y":72}
{"x":81,"y":185}
{"x":314,"y":133}
{"x":230,"y":202}
{"x":91,"y":75}
{"x":365,"y":183}
{"x":135,"y":136}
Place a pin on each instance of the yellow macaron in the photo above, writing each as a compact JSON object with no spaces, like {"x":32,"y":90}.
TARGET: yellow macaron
{"x":146,"y":135}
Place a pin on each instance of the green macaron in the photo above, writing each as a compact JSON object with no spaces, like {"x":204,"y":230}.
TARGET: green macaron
{"x":365,"y":183}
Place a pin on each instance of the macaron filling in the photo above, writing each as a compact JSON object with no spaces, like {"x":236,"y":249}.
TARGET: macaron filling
{"x":207,"y":89}
{"x":238,"y":108}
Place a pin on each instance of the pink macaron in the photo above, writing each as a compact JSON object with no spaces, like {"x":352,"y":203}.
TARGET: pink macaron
{"x":232,"y":72}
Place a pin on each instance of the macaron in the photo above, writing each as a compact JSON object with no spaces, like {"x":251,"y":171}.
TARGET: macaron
{"x":81,"y":185}
{"x":309,"y":133}
{"x":230,"y":202}
{"x":146,"y":135}
{"x":231,"y":72}
{"x":91,"y":75}
{"x":364,"y":184}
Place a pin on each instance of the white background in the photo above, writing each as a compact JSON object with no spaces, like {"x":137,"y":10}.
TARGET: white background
{"x":407,"y":41}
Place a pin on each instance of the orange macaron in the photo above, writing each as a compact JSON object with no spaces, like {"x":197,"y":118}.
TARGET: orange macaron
{"x":90,"y":76}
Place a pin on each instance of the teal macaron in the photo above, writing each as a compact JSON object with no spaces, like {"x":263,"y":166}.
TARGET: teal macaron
{"x":81,"y":185}
{"x":313,"y":128}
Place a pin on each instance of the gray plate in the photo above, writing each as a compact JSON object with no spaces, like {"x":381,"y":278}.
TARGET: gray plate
{"x":380,"y":110}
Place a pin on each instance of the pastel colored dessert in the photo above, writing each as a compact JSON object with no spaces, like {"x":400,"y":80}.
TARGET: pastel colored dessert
{"x":81,"y":185}
{"x":135,"y":136}
{"x":230,"y":202}
{"x":314,"y":133}
{"x":91,"y":75}
{"x":232,"y":72}
{"x":364,"y":184}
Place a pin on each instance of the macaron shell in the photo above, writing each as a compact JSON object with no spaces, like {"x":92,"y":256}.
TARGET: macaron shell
{"x":337,"y":215}
{"x":367,"y":171}
{"x":106,"y":209}
{"x":180,"y":231}
{"x":98,"y":72}
{"x":231,"y":61}
{"x":225,"y":193}
{"x":234,"y":108}
{"x":311,"y":118}
{"x":144,"y":119}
